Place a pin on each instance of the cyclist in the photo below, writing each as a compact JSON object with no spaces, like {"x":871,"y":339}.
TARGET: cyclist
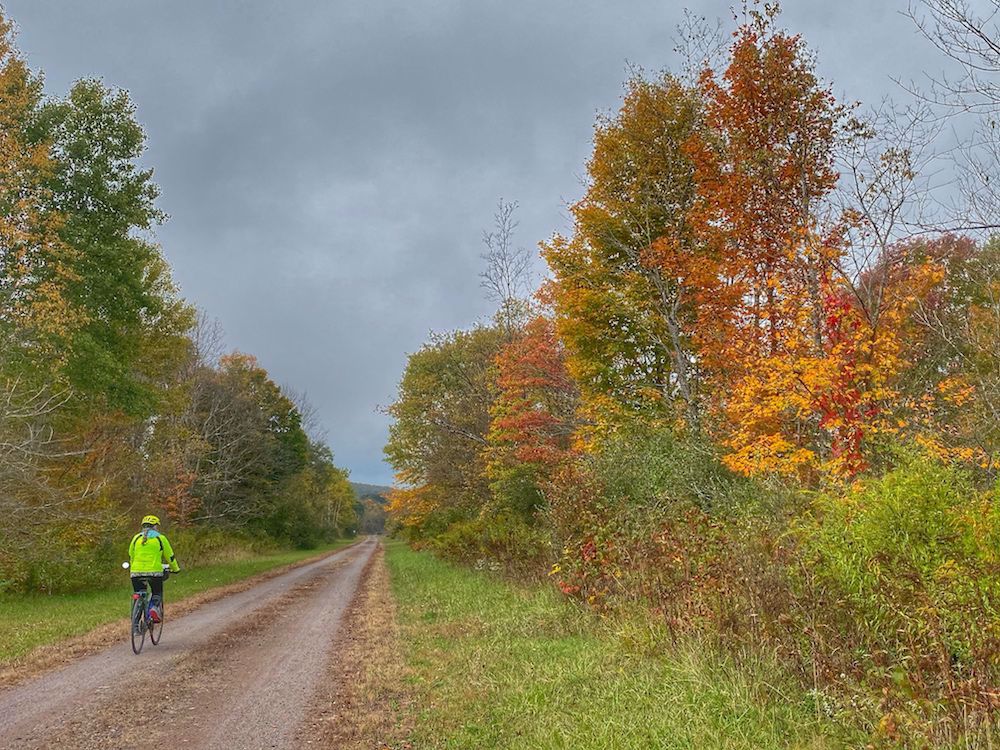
{"x":147,"y":553}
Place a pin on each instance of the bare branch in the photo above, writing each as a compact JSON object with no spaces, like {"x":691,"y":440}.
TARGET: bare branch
{"x":507,"y":278}
{"x":970,"y":40}
{"x":701,"y":45}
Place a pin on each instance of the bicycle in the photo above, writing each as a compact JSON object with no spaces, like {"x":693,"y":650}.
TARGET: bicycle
{"x":140,"y":620}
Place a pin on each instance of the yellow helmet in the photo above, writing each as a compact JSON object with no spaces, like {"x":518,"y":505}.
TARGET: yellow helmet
{"x":151,"y":520}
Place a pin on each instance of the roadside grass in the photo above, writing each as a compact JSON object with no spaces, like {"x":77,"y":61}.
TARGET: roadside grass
{"x":31,"y":620}
{"x":498,"y":666}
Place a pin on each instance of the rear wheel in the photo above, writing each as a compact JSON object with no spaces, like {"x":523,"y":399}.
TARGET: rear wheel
{"x":156,"y":628}
{"x":137,"y":624}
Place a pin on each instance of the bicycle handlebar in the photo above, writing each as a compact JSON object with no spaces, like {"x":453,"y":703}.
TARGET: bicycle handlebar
{"x":167,"y":572}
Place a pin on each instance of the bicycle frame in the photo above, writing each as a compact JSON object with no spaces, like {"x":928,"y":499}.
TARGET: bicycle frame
{"x":140,"y":620}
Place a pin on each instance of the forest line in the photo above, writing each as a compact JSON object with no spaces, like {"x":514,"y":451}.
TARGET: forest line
{"x":757,"y":396}
{"x":117,"y":399}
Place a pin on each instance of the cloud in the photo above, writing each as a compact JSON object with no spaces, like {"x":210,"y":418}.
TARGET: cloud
{"x":329,"y":166}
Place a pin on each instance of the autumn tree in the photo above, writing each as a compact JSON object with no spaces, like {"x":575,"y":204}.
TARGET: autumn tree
{"x":124,"y":360}
{"x":532,"y":419}
{"x":625,"y":318}
{"x":952,"y":389}
{"x":36,"y":312}
{"x":37,"y":319}
{"x":253,"y":440}
{"x":695,"y":286}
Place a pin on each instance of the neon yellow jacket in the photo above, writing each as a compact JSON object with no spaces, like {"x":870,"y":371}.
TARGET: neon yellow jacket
{"x":147,"y":555}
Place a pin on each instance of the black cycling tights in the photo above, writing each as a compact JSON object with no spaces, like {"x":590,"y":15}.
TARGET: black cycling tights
{"x":155,"y":583}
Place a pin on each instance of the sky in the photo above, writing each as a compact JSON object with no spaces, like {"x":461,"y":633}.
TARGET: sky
{"x":329,"y":167}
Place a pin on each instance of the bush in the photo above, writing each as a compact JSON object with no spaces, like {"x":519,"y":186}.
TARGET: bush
{"x":67,"y":560}
{"x":656,"y":469}
{"x":658,"y":520}
{"x":502,"y":542}
{"x":196,"y":546}
{"x":882,"y":597}
{"x":904,"y":569}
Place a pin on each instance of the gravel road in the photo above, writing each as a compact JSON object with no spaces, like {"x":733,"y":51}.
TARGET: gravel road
{"x":237,"y":673}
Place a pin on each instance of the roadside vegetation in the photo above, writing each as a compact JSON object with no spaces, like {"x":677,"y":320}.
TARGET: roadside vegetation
{"x":492,"y":664}
{"x":753,"y":405}
{"x":116,"y":398}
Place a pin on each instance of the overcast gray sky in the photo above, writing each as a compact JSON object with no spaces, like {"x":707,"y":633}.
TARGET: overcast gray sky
{"x":329,"y":166}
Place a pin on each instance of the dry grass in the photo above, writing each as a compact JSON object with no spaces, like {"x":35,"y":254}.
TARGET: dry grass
{"x":366,"y":704}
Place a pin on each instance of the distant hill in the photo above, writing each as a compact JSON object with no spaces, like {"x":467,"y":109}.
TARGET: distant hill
{"x":375,"y":491}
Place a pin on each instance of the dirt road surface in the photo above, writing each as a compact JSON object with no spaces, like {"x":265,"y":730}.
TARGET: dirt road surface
{"x":238,"y":673}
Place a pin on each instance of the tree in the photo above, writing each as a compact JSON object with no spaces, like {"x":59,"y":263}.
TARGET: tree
{"x":696,"y":285}
{"x":373,"y":517}
{"x":441,"y":418}
{"x":533,"y":419}
{"x":36,"y":311}
{"x":624,"y":316}
{"x":315,"y":504}
{"x":253,"y":438}
{"x":136,"y":325}
{"x":30,"y":502}
{"x":762,"y":165}
{"x":966,"y":34}
{"x":954,"y":388}
{"x":37,"y":320}
{"x":764,"y":170}
{"x":507,"y":276}
{"x":969,"y":39}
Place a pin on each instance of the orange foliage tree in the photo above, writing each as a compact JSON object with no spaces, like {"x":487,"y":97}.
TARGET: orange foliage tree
{"x":35,"y":264}
{"x":532,"y":418}
{"x":763,"y":166}
{"x":703,"y":286}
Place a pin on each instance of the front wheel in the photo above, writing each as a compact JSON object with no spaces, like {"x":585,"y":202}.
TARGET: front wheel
{"x":137,"y":624}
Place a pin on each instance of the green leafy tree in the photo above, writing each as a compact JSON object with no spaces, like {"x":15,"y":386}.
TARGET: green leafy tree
{"x":442,"y":416}
{"x":316,"y":504}
{"x":136,"y":325}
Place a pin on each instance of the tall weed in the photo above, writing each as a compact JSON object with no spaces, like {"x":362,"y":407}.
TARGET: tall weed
{"x":904,"y":568}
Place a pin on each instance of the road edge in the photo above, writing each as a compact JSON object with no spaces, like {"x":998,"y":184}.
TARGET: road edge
{"x":366,"y":702}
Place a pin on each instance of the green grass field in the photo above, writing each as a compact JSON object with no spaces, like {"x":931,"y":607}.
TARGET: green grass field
{"x":30,"y":620}
{"x":497,"y":666}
